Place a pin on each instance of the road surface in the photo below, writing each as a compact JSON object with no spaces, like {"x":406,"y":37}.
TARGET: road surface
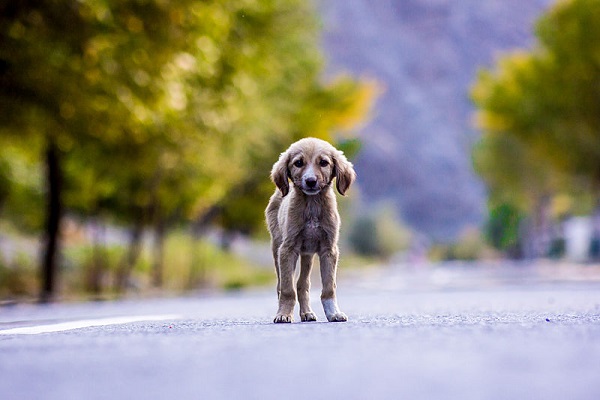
{"x":433,"y":333}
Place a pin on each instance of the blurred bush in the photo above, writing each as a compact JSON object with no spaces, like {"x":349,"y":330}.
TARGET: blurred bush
{"x":378,"y":233}
{"x":18,"y":279}
{"x":195,"y":263}
{"x":91,"y":271}
{"x":470,"y":246}
{"x":502,"y":230}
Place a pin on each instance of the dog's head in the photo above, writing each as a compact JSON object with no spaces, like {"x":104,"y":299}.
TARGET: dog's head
{"x":312,"y":164}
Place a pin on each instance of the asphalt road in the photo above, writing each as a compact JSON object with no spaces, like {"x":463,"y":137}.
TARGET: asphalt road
{"x":430,"y":333}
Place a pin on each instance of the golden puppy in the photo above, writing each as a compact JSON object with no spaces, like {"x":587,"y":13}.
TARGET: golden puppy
{"x":303,"y":221}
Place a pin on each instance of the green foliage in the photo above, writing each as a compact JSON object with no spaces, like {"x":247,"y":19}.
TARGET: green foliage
{"x":538,"y":112}
{"x":515,"y":173}
{"x":502,"y":230}
{"x":545,"y":98}
{"x":147,"y":101}
{"x":350,"y":147}
{"x":21,"y":191}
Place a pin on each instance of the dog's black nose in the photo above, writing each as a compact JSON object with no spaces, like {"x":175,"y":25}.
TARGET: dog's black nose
{"x":311,"y":182}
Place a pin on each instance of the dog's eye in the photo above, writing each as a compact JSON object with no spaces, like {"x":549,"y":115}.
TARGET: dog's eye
{"x":298,"y":163}
{"x":324,"y":163}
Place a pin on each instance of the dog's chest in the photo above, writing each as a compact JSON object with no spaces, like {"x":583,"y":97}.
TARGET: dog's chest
{"x":313,"y":229}
{"x":312,"y":236}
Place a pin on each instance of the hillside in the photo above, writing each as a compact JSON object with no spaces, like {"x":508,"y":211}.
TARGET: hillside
{"x":425,"y":54}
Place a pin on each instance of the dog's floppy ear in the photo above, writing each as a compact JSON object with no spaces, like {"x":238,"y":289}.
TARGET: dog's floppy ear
{"x":280,"y":174}
{"x":344,"y":172}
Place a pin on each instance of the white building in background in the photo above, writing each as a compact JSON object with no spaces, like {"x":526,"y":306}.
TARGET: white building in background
{"x":578,"y":235}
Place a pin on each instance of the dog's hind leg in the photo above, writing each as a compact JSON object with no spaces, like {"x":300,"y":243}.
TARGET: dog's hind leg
{"x":275,"y":248}
{"x":306,"y":313}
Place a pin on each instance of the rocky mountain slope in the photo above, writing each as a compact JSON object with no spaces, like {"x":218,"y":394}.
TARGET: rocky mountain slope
{"x":425,"y":54}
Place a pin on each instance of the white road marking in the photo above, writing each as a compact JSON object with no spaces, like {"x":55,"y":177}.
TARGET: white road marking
{"x":85,"y":323}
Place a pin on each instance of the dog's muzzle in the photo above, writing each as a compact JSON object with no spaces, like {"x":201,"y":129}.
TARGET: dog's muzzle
{"x":310,"y":185}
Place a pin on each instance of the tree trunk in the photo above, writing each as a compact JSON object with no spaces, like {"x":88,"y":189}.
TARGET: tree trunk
{"x":198,"y":270}
{"x":98,"y":263}
{"x":541,"y":227}
{"x":536,"y":230}
{"x":130,"y":259}
{"x":159,"y":247}
{"x":53,"y":217}
{"x":594,"y":249}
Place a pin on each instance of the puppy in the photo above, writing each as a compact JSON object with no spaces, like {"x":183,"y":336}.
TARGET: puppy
{"x":303,"y":221}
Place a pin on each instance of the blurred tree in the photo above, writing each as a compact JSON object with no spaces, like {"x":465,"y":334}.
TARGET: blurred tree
{"x":517,"y":171}
{"x":538,"y":111}
{"x":150,"y":112}
{"x":502,"y":230}
{"x":73,"y":73}
{"x":379,"y":232}
{"x":569,"y":43}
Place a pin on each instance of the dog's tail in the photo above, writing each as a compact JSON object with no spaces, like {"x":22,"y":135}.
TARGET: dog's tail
{"x":272,"y":211}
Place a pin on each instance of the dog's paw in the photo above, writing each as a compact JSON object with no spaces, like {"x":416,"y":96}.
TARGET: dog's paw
{"x":308,"y":317}
{"x":283,"y":318}
{"x":337,"y":317}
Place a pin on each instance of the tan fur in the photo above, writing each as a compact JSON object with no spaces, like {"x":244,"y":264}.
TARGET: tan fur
{"x":303,"y":221}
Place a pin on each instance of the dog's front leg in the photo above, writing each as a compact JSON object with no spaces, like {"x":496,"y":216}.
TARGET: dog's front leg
{"x":306,"y":312}
{"x":287,"y":293}
{"x":329,"y":262}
